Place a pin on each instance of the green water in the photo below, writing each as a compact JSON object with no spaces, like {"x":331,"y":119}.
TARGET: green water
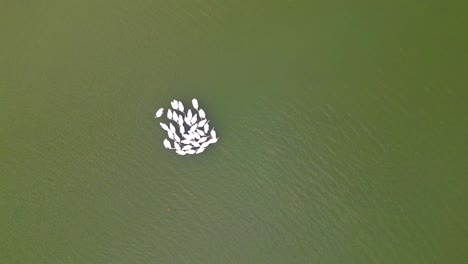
{"x":343,"y":130}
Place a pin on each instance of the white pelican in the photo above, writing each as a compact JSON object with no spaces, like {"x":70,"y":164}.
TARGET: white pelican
{"x":175,"y":104}
{"x":176,"y":137}
{"x":193,"y":128}
{"x":177,"y":146}
{"x":175,"y":117}
{"x":187,"y":147}
{"x":190,"y":151}
{"x":186,"y":141}
{"x":169,"y":114}
{"x":196,"y":135}
{"x":164,"y":126}
{"x":181,"y":106}
{"x":206,"y":144}
{"x":213,"y":133}
{"x":194,"y":119}
{"x":159,"y":113}
{"x":171,"y":126}
{"x":202,"y":114}
{"x":167,"y":144}
{"x":202,"y":122}
{"x":180,"y":121}
{"x":195,"y":103}
{"x":195,"y":144}
{"x":200,"y":150}
{"x":182,"y":130}
{"x":206,"y":128}
{"x":203,"y":139}
{"x":212,"y":141}
{"x":200,"y":132}
{"x":170,"y":135}
{"x":181,"y":152}
{"x":189,"y":114}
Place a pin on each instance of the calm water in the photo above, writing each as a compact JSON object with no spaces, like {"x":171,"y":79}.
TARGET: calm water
{"x":343,"y":132}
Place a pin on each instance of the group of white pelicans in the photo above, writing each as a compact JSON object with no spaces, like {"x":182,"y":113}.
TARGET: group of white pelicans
{"x":193,"y":134}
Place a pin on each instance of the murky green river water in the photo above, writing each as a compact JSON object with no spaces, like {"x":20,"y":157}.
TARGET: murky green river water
{"x":343,"y":130}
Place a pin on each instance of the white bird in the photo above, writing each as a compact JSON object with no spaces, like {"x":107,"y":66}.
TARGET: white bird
{"x":190,"y":151}
{"x":181,"y":152}
{"x":180,"y":121}
{"x":206,"y":144}
{"x":193,"y":128}
{"x":181,"y":106}
{"x":202,"y":114}
{"x":172,"y":128}
{"x":182,"y":130}
{"x":196,"y":135}
{"x":175,"y":104}
{"x":202,"y":122}
{"x":159,"y":113}
{"x":212,"y":141}
{"x":167,"y":144}
{"x":195,"y":144}
{"x":206,"y":128}
{"x":187,"y":121}
{"x":194,"y":119}
{"x":189,"y":114}
{"x":176,"y":137}
{"x":213,"y":133}
{"x":170,"y":135}
{"x":169,"y":114}
{"x":164,"y":126}
{"x":177,"y":146}
{"x":187,"y":147}
{"x":203,"y":139}
{"x":200,"y":150}
{"x":195,"y":103}
{"x":186,"y":142}
{"x":200,"y":132}
{"x":175,"y":117}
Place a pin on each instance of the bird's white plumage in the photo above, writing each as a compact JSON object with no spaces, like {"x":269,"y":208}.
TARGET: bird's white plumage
{"x":171,"y":126}
{"x":190,"y":151}
{"x":200,"y":150}
{"x":194,"y":119}
{"x":206,"y":127}
{"x":213,"y":133}
{"x":169,"y":114}
{"x":187,"y":147}
{"x":159,"y":113}
{"x":164,"y":126}
{"x":202,"y":122}
{"x":177,"y":146}
{"x":195,"y":103}
{"x":181,"y":106}
{"x":167,"y":144}
{"x":202,"y":114}
{"x":181,"y":152}
{"x":175,"y":105}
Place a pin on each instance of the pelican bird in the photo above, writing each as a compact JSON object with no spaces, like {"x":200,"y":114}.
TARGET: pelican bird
{"x":189,"y":115}
{"x":206,"y":144}
{"x":187,"y":147}
{"x":203,"y":139}
{"x":186,"y":142}
{"x":181,"y":152}
{"x":195,"y":103}
{"x":169,"y":114}
{"x":164,"y":126}
{"x":175,"y":116}
{"x":175,"y":104}
{"x":200,"y":132}
{"x":195,"y":144}
{"x":206,"y":128}
{"x":212,"y":141}
{"x":170,"y":135}
{"x":213,"y":133}
{"x":190,"y":151}
{"x":194,"y":119}
{"x":196,"y":135}
{"x":180,"y":121}
{"x":200,"y":150}
{"x":202,"y":122}
{"x":181,"y":106}
{"x":159,"y":113}
{"x":167,"y":144}
{"x":202,"y":114}
{"x":193,"y":128}
{"x":182,"y":130}
{"x":171,"y":126}
{"x":177,"y":146}
{"x":176,"y":137}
